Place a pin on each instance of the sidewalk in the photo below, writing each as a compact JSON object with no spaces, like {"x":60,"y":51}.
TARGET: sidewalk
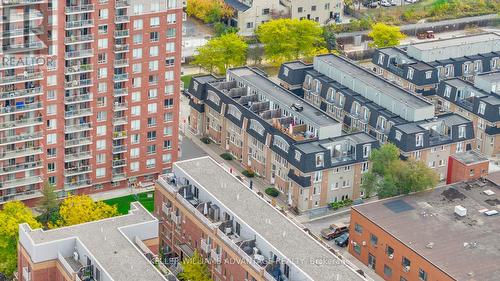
{"x":118,"y":193}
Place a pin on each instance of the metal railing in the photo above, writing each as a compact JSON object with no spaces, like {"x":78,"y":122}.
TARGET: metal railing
{"x":78,"y":112}
{"x":122,"y":18}
{"x":120,"y":92}
{"x":21,"y":108}
{"x":79,"y":8}
{"x":77,"y":39}
{"x":7,"y":154}
{"x":77,"y":170}
{"x":20,"y":182}
{"x":77,"y":127}
{"x":77,"y":156}
{"x":77,"y":68}
{"x":21,"y":166}
{"x":79,"y":23}
{"x":121,"y":62}
{"x":78,"y":54}
{"x":23,"y":137}
{"x":78,"y":141}
{"x":119,"y":149}
{"x":121,"y":48}
{"x":21,"y":122}
{"x":78,"y":98}
{"x":78,"y":83}
{"x":20,"y":196}
{"x":120,"y":77}
{"x":121,"y":33}
{"x":21,"y":93}
{"x":23,"y":77}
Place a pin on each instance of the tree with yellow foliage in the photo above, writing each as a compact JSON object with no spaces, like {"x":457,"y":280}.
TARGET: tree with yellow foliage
{"x":209,"y":11}
{"x":385,"y":36}
{"x":81,"y":209}
{"x":13,"y":214}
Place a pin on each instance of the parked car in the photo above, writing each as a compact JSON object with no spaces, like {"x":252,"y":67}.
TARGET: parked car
{"x":342,"y":240}
{"x":333,"y":231}
{"x":385,"y":3}
{"x":411,"y":1}
{"x":429,"y":34}
{"x":393,"y":3}
{"x":370,"y":3}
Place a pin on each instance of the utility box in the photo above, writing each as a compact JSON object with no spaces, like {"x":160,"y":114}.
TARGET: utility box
{"x":460,"y":211}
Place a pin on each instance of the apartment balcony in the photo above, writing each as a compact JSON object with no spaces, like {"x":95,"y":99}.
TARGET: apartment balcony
{"x":20,"y":197}
{"x":77,"y":69}
{"x":20,"y":182}
{"x":79,"y":39}
{"x":22,"y":152}
{"x":20,"y":108}
{"x":121,"y":48}
{"x":84,"y":169}
{"x":22,"y":31}
{"x":75,"y":84}
{"x":24,"y":47}
{"x":9,"y":3}
{"x":78,"y":113}
{"x":77,"y":156}
{"x":119,"y":149}
{"x":120,"y":120}
{"x":118,"y":177}
{"x":78,"y":98}
{"x":77,"y":184}
{"x":119,"y":163}
{"x":79,"y":9}
{"x":120,"y":93}
{"x":121,"y":33}
{"x":20,"y":123}
{"x":122,"y":19}
{"x":79,"y":24}
{"x":119,"y":135}
{"x":87,"y":53}
{"x":122,"y":3}
{"x":23,"y":93}
{"x":77,"y":128}
{"x":20,"y":78}
{"x":21,"y":138}
{"x":120,"y":77}
{"x":14,"y":168}
{"x":118,"y":106}
{"x":121,"y":63}
{"x":78,"y":142}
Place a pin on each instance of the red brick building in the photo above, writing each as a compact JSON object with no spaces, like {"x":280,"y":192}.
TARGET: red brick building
{"x":467,"y":166}
{"x":96,"y":107}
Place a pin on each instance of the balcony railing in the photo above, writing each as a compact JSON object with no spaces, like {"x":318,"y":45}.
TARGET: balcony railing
{"x":77,"y":69}
{"x":14,"y":168}
{"x":118,"y":177}
{"x":120,"y":120}
{"x":77,"y":184}
{"x":119,"y":134}
{"x":77,"y":170}
{"x":21,"y":93}
{"x":78,"y":98}
{"x":78,"y":127}
{"x":79,"y":54}
{"x":121,"y":48}
{"x":25,"y":46}
{"x":20,"y":197}
{"x":120,"y":106}
{"x":119,"y":163}
{"x":20,"y":182}
{"x":79,"y":9}
{"x":119,"y":149}
{"x":8,"y":154}
{"x":77,"y":156}
{"x":78,"y":113}
{"x":78,"y":39}
{"x":22,"y":122}
{"x":78,"y":83}
{"x":122,"y":19}
{"x":23,"y":31}
{"x":78,"y":142}
{"x":122,"y":3}
{"x":24,"y":77}
{"x":121,"y":33}
{"x":121,"y":63}
{"x":79,"y":24}
{"x":21,"y":108}
{"x":19,"y":138}
{"x":120,"y":77}
{"x":120,"y":92}
{"x":21,"y":2}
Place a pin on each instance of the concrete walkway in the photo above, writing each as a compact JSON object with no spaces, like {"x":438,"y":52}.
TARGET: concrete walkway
{"x":119,"y":193}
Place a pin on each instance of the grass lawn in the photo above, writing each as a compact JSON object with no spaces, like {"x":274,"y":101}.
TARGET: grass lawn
{"x":123,"y":203}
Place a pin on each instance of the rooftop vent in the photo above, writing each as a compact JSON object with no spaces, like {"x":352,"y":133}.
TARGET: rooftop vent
{"x":297,"y":106}
{"x":460,"y":211}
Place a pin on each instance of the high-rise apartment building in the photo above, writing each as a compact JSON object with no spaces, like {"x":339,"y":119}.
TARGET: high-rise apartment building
{"x":89,"y":94}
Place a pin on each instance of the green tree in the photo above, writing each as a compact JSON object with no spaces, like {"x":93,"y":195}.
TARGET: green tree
{"x":369,"y":185}
{"x":384,"y":35}
{"x":382,"y":158}
{"x":48,"y":204}
{"x":288,"y":39}
{"x":255,"y":53}
{"x":221,"y":29}
{"x":81,"y":208}
{"x":221,"y":53}
{"x":13,"y":214}
{"x":329,"y":37}
{"x":195,"y":269}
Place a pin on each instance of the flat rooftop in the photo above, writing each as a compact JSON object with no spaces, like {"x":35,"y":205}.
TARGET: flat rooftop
{"x":466,"y":248}
{"x":301,"y":249}
{"x":372,"y":80}
{"x":470,"y":157}
{"x":107,"y":243}
{"x":282,"y":95}
{"x":457,"y":41}
{"x":492,"y":77}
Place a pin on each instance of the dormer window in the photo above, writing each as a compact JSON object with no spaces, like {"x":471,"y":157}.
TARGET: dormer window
{"x":494,"y":63}
{"x":355,"y":108}
{"x":428,"y":74}
{"x":409,"y":75}
{"x":380,"y":58}
{"x":341,"y":99}
{"x":320,"y":160}
{"x":381,"y":123}
{"x":257,"y":127}
{"x":367,"y":148}
{"x":195,"y":85}
{"x":281,"y":143}
{"x":366,"y":113}
{"x":482,"y":108}
{"x":330,"y":94}
{"x":297,"y":155}
{"x":447,"y":91}
{"x":213,"y":97}
{"x":466,"y":68}
{"x":317,"y":86}
{"x":477,"y":66}
{"x":307,"y":82}
{"x":461,"y":131}
{"x":234,"y":111}
{"x":398,"y":135}
{"x":285,"y":71}
{"x":419,"y":140}
{"x":448,"y":70}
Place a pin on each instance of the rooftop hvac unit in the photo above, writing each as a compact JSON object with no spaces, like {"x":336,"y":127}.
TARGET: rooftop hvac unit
{"x":460,"y":211}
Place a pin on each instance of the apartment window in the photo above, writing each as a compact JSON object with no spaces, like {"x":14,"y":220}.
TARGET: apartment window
{"x":357,"y":249}
{"x":367,"y":150}
{"x":137,"y":53}
{"x":135,"y":110}
{"x":409,"y":75}
{"x":151,"y":135}
{"x":51,"y":109}
{"x":101,"y":144}
{"x":167,"y":131}
{"x":373,"y":239}
{"x":103,"y":29}
{"x":428,"y":74}
{"x":134,"y":138}
{"x":166,"y":158}
{"x":102,"y":58}
{"x":320,"y":159}
{"x":138,"y":24}
{"x":168,"y":117}
{"x":300,"y":10}
{"x":151,"y":149}
{"x":103,"y":73}
{"x":103,"y":14}
{"x":154,"y":36}
{"x":318,"y":175}
{"x":477,"y":66}
{"x":313,"y":8}
{"x":136,"y":82}
{"x":138,"y":9}
{"x":101,"y":130}
{"x":101,"y":158}
{"x":135,"y":125}
{"x":460,"y":146}
{"x":102,"y":43}
{"x":134,"y":152}
{"x":136,"y":96}
{"x":282,"y":144}
{"x":422,"y":275}
{"x":154,"y":22}
{"x":390,"y":252}
{"x":432,"y":164}
{"x":51,"y":152}
{"x":297,"y":155}
{"x":466,"y":67}
{"x":100,"y":172}
{"x":52,"y":180}
{"x":170,"y":47}
{"x":167,"y":144}
{"x":417,"y":154}
{"x":171,"y":18}
{"x":51,"y":95}
{"x":101,"y":101}
{"x":447,"y":91}
{"x":51,"y":138}
{"x":171,"y":32}
{"x":398,"y":135}
{"x":265,"y":11}
{"x":419,"y":140}
{"x":168,"y":103}
{"x":137,"y":38}
{"x":380,"y":58}
{"x":152,"y":108}
{"x":150,"y":163}
{"x":169,"y":75}
{"x":152,"y":94}
{"x":169,"y":61}
{"x":461,"y":131}
{"x":134,"y":166}
{"x":101,"y":116}
{"x":358,"y":228}
{"x":387,"y":271}
{"x":482,"y":108}
{"x":249,"y":24}
{"x":153,"y":65}
{"x":137,"y":67}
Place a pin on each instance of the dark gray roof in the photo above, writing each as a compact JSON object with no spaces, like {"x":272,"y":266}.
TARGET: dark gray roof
{"x":296,"y":64}
{"x":237,"y":5}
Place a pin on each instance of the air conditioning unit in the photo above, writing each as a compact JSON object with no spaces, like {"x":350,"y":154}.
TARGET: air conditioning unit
{"x":391,"y":256}
{"x":364,"y":243}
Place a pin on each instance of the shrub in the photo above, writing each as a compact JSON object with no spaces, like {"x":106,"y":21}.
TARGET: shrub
{"x":206,"y":140}
{"x":227,"y":156}
{"x":340,"y":204}
{"x":271,"y":191}
{"x":248,"y":173}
